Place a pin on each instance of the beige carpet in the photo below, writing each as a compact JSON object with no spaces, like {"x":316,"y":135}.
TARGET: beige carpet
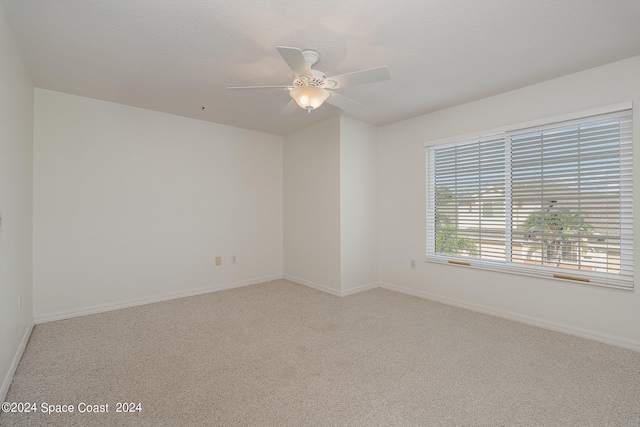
{"x":280,"y":354}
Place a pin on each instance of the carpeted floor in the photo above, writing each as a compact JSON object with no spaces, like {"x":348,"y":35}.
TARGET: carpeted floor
{"x":280,"y":354}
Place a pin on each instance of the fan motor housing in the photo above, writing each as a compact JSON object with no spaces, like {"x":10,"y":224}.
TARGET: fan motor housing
{"x":317,"y":77}
{"x":317,"y":80}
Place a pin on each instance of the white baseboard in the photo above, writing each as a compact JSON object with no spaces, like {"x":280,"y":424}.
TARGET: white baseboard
{"x":312,"y":285}
{"x":142,"y":301}
{"x":330,"y":290}
{"x":541,"y":323}
{"x":359,"y":289}
{"x":583,"y":333}
{"x":14,"y":364}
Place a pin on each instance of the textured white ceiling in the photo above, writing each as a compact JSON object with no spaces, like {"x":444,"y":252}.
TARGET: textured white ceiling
{"x":177,"y":56}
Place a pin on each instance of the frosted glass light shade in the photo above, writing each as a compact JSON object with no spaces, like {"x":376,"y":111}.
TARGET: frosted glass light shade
{"x":309,"y":97}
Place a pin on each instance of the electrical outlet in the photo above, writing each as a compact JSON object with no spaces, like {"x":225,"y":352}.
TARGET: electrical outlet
{"x":218,"y":260}
{"x":234,"y":259}
{"x":412,"y":263}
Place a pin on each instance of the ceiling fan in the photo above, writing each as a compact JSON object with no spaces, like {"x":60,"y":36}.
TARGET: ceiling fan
{"x":311,"y":88}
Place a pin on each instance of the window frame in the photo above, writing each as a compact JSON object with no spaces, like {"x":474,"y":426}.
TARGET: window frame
{"x":624,"y":280}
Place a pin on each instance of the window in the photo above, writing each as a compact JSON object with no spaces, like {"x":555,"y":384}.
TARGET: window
{"x":550,"y":199}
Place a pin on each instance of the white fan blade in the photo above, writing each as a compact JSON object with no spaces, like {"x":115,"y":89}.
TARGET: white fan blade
{"x":371,"y":75}
{"x":289,"y":108}
{"x":343,"y":103}
{"x":282,"y":87}
{"x":295,"y":59}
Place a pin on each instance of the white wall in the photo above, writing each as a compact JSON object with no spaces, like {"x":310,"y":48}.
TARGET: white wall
{"x":133,"y":206}
{"x":16,"y":168}
{"x":358,"y":205}
{"x":609,"y":315}
{"x":331,"y":206}
{"x":312,"y":206}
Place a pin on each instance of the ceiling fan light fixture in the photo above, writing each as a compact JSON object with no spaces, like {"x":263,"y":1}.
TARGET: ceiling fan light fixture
{"x":309,"y":97}
{"x":311,"y":88}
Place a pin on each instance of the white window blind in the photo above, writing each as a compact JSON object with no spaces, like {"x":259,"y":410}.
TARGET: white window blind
{"x":469,"y":203}
{"x":553,"y":199}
